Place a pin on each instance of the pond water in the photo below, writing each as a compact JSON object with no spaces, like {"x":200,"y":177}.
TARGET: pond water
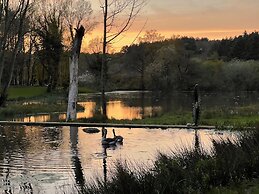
{"x":136,"y":105}
{"x":52,"y":160}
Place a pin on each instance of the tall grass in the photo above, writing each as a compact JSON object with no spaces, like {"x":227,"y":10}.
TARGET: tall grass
{"x":191,"y":171}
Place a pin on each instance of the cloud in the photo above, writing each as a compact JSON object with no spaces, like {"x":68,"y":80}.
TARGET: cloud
{"x":203,"y":14}
{"x":184,"y":7}
{"x":194,"y":6}
{"x":198,"y":18}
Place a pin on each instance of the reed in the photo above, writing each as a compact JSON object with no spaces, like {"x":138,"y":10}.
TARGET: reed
{"x":191,"y":171}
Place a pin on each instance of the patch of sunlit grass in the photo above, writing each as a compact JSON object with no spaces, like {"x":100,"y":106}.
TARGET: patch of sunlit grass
{"x":25,"y":92}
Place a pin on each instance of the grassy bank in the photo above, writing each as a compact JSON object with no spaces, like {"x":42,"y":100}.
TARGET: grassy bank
{"x":16,"y":93}
{"x":221,"y":117}
{"x":30,"y":92}
{"x":32,"y":100}
{"x":191,"y":171}
{"x":236,"y":117}
{"x":182,"y":118}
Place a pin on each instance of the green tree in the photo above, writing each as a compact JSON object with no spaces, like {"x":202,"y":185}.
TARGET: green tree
{"x":50,"y":33}
{"x":170,"y":68}
{"x":241,"y":75}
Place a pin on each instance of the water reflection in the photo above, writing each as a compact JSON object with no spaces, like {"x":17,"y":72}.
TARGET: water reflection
{"x":7,"y":183}
{"x":52,"y":158}
{"x":142,"y":98}
{"x":53,"y":136}
{"x":89,"y":109}
{"x":12,"y":142}
{"x":118,"y":110}
{"x":197,"y":143}
{"x":77,"y":166}
{"x":105,"y":156}
{"x":36,"y":118}
{"x":115,"y":110}
{"x":136,"y":105}
{"x":105,"y":164}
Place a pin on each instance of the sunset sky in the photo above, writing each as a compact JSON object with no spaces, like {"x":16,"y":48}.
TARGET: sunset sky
{"x":215,"y":19}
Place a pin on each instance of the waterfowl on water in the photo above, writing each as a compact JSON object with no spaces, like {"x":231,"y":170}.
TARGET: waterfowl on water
{"x":107,"y":141}
{"x":118,"y":138}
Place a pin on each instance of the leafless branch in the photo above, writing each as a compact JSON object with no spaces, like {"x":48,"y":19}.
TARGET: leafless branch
{"x":134,"y":11}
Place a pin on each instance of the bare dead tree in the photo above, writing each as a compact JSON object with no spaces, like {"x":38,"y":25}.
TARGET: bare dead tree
{"x":95,"y":46}
{"x":151,"y":36}
{"x":118,"y":17}
{"x":76,"y":14}
{"x":73,"y":72}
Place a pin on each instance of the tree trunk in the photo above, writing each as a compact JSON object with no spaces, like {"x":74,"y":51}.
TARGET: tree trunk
{"x":142,"y":71}
{"x":73,"y":71}
{"x":77,"y":166}
{"x":2,"y":59}
{"x":4,"y":90}
{"x":29,"y":64}
{"x":104,"y":62}
{"x":17,"y":48}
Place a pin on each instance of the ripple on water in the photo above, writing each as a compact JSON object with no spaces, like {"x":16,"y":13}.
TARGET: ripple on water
{"x":53,"y":159}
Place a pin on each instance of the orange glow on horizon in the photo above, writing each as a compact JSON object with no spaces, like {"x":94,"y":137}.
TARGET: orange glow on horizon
{"x":214,"y":20}
{"x":131,"y":37}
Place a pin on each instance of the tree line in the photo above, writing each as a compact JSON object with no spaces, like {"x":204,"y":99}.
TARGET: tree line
{"x":36,"y":40}
{"x":156,"y":63}
{"x":41,"y":42}
{"x":33,"y":44}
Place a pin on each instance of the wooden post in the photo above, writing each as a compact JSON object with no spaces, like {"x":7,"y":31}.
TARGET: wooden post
{"x":196,"y":106}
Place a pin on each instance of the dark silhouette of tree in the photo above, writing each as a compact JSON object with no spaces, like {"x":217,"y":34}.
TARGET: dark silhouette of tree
{"x":243,"y":47}
{"x":114,"y":25}
{"x":19,"y":16}
{"x":50,"y":33}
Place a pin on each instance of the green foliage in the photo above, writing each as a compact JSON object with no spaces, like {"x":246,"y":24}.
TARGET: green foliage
{"x":154,"y":64}
{"x":50,"y":34}
{"x":178,"y":63}
{"x":244,"y":47}
{"x":209,"y":74}
{"x":14,"y":110}
{"x":85,"y":90}
{"x":241,"y":75}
